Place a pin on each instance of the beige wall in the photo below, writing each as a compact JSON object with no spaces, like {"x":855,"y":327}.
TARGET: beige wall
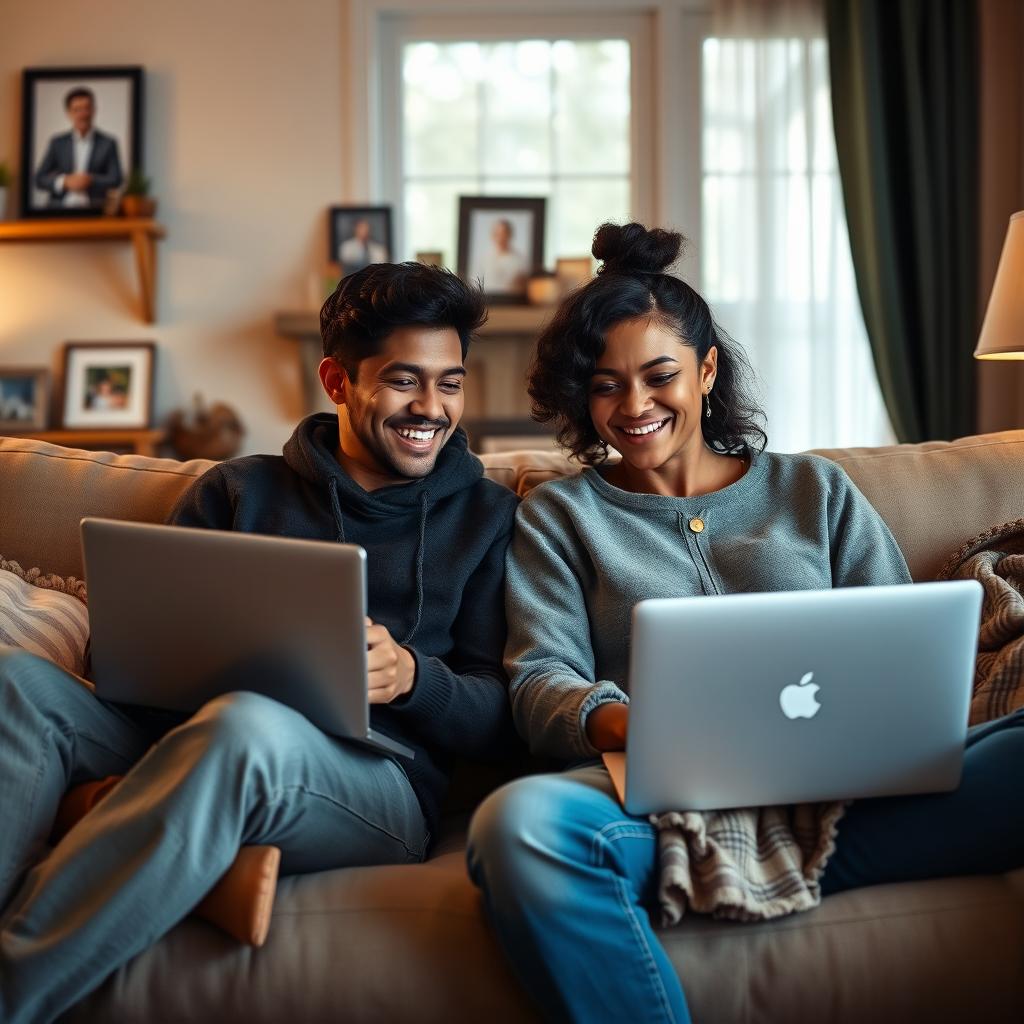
{"x":244,"y":143}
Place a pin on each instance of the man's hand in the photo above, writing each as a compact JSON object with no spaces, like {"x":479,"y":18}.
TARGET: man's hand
{"x":606,"y":726}
{"x":77,"y":182}
{"x":391,"y":669}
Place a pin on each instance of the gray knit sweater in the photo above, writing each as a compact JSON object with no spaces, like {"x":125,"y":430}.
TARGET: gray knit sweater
{"x":584,"y":552}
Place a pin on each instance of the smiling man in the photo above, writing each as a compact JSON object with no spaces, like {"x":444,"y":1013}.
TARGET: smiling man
{"x":391,"y":472}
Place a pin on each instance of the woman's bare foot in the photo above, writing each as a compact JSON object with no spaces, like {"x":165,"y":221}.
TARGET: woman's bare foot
{"x":241,"y":903}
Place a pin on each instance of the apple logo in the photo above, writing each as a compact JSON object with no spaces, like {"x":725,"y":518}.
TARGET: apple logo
{"x":797,"y":699}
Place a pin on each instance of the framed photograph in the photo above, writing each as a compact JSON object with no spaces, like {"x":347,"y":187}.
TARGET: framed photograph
{"x":501,"y":243}
{"x":359,"y":236}
{"x":81,"y":131}
{"x":24,"y":399}
{"x":430,"y":259}
{"x":108,"y":384}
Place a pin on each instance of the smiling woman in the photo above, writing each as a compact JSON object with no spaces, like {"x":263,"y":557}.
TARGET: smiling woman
{"x":645,"y":356}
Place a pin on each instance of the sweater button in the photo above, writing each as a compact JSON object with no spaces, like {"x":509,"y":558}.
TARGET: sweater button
{"x":697,"y":525}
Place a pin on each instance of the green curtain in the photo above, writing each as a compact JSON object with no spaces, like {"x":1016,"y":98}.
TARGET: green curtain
{"x":905,"y":106}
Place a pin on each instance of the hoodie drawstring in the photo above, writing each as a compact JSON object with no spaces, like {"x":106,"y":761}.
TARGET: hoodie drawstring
{"x":336,"y":508}
{"x":419,"y":570}
{"x":420,"y":551}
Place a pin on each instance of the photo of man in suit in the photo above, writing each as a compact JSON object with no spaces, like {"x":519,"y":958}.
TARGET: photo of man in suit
{"x":80,"y":165}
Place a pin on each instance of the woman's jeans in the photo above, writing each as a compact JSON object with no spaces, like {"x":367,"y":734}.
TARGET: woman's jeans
{"x":568,"y":877}
{"x":243,"y":770}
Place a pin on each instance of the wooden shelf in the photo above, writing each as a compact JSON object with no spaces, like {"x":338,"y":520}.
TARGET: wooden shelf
{"x":141,"y":232}
{"x":139,"y":442}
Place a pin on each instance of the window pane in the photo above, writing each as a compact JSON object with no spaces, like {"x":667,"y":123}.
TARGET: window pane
{"x":440,"y":108}
{"x":516,"y":115}
{"x":592,"y":106}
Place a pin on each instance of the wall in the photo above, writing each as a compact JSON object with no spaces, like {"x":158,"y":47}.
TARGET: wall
{"x":243,"y":139}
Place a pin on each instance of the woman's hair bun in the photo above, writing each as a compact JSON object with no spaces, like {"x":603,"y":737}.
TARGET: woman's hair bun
{"x":633,"y":249}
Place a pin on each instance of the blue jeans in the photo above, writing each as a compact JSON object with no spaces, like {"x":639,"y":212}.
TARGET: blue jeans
{"x":569,"y":878}
{"x":243,"y":770}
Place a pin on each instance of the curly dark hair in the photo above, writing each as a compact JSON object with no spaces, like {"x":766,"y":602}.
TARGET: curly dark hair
{"x":371,"y":303}
{"x":632,"y":283}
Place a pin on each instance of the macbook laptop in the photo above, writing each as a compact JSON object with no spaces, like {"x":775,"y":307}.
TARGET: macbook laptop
{"x":179,"y":616}
{"x":752,"y":700}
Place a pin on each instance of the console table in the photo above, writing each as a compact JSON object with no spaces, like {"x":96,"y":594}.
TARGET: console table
{"x":142,"y":232}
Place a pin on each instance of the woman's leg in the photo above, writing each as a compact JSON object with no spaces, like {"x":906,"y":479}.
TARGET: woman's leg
{"x":566,"y":875}
{"x":977,"y":828}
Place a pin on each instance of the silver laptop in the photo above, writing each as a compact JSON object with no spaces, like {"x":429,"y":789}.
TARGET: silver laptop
{"x":752,"y":700}
{"x":178,"y":616}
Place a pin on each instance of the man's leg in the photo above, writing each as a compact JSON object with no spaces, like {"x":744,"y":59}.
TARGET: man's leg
{"x":567,"y":877}
{"x":53,"y":733}
{"x":978,"y":828}
{"x":244,"y":769}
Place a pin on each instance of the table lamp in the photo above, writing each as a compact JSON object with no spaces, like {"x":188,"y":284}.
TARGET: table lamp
{"x":1002,"y":333}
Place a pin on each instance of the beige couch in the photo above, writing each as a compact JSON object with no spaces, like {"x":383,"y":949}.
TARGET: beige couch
{"x":409,"y":943}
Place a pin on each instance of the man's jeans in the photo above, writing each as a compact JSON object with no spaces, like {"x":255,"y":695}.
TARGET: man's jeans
{"x":243,"y":770}
{"x":568,"y":877}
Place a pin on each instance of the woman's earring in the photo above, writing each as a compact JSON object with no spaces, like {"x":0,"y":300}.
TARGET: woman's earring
{"x":707,"y":400}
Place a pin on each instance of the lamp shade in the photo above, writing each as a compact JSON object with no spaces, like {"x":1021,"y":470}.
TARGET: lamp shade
{"x":1002,"y":333}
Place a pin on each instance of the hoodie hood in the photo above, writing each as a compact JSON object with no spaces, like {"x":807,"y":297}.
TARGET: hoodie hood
{"x":311,"y":449}
{"x":310,"y":452}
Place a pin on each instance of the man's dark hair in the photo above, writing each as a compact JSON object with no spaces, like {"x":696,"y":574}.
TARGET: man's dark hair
{"x":633,"y":282}
{"x":79,"y":92}
{"x":371,"y":303}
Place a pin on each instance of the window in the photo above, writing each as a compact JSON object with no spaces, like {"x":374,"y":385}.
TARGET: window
{"x":516,"y":107}
{"x":776,"y":264}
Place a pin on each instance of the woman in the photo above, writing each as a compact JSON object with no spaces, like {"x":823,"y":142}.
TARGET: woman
{"x":633,"y":361}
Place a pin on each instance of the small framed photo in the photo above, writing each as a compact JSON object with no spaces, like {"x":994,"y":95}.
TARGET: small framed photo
{"x":81,"y":133}
{"x":501,"y":243}
{"x":108,"y":385}
{"x":359,"y":236}
{"x":430,"y":259}
{"x":24,"y":399}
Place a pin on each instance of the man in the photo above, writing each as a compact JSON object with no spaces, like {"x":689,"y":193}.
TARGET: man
{"x":390,"y":472}
{"x":80,"y":165}
{"x":505,"y":268}
{"x":360,"y":250}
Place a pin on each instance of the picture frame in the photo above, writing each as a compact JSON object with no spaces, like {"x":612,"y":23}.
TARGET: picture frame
{"x":58,"y":103}
{"x":501,"y":244}
{"x":24,"y":399}
{"x":359,"y":236}
{"x":108,"y":385}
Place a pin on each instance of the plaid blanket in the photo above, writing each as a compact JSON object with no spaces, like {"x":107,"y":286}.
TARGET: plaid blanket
{"x":757,"y":863}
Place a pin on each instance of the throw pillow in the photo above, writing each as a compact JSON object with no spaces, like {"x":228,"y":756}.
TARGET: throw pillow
{"x":44,"y":614}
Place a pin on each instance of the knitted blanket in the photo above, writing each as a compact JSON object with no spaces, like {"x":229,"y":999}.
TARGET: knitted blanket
{"x":757,"y":863}
{"x":996,"y":560}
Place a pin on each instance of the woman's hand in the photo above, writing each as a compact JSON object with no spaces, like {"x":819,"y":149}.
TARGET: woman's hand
{"x":606,"y":726}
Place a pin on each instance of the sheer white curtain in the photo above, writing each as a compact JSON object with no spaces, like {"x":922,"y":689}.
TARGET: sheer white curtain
{"x":775,"y":257}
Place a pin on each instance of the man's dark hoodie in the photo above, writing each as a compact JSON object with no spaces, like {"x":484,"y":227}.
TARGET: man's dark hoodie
{"x":435,"y":558}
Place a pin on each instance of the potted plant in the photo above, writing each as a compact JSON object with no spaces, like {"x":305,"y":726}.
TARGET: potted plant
{"x":136,"y":201}
{"x":5,"y":181}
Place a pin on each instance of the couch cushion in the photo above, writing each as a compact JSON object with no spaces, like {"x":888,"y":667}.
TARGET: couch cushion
{"x":936,"y":496}
{"x":409,"y":943}
{"x":45,"y":490}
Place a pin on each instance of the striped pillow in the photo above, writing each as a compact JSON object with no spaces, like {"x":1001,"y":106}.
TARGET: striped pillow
{"x":37,"y":616}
